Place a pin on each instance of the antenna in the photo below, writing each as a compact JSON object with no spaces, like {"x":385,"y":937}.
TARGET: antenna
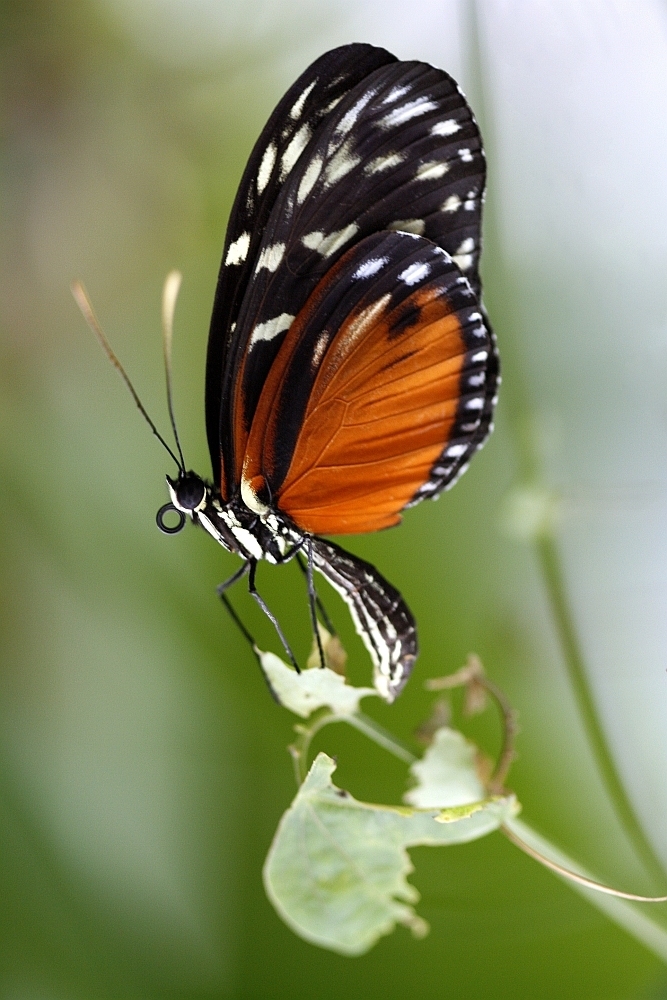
{"x":170,"y":292}
{"x":83,"y":302}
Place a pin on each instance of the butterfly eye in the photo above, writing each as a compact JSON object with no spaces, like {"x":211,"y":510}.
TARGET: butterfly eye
{"x":163,"y":526}
{"x":190,"y":491}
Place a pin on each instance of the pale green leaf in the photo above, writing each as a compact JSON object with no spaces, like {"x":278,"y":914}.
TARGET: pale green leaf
{"x":337,"y":869}
{"x":316,"y":688}
{"x":447,"y":773}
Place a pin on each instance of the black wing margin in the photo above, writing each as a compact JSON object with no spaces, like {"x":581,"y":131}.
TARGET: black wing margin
{"x":471,"y":429}
{"x":381,"y":616}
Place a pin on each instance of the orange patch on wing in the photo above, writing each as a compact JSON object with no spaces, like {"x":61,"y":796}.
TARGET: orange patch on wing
{"x":380,"y":413}
{"x":255,"y":455}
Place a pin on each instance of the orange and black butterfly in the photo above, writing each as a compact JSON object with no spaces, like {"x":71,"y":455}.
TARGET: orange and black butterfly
{"x":351,"y":369}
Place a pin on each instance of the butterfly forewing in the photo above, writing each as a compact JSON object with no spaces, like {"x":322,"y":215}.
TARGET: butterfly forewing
{"x":400,"y":150}
{"x":368,"y":387}
{"x":293,"y":121}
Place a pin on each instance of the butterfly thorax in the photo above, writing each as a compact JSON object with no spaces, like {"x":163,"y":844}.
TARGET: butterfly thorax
{"x":231,"y":523}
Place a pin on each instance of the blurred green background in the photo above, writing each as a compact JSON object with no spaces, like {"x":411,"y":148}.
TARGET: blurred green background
{"x":144,"y":765}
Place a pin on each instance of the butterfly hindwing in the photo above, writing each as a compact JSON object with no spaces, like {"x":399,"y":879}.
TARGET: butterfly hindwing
{"x":443,"y":473}
{"x":381,"y":376}
{"x":381,"y":616}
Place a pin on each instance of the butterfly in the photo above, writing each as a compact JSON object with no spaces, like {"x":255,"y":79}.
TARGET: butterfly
{"x":351,"y":369}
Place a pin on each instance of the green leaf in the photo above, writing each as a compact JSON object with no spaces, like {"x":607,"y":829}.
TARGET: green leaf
{"x":304,"y":693}
{"x":336,"y":870}
{"x":447,"y":773}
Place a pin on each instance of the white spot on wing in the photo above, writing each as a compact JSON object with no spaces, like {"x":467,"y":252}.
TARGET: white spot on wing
{"x":465,"y":155}
{"x":270,"y":257}
{"x":463,"y":256}
{"x":448,"y":127}
{"x":370,"y":267}
{"x":271,"y":328}
{"x":335,"y":101}
{"x":294,"y":150}
{"x":328,"y":245}
{"x":395,"y":93}
{"x":413,"y":109}
{"x":358,"y":327}
{"x":266,"y":166}
{"x":415,"y":227}
{"x":319,"y":349}
{"x":309,"y":179}
{"x":313,"y":240}
{"x":431,"y":171}
{"x":381,"y":163}
{"x":341,"y":163}
{"x":349,"y":118}
{"x":479,"y":357}
{"x":452,"y":204}
{"x":475,"y":404}
{"x":456,"y":450}
{"x":415,"y":273}
{"x":238,"y":250}
{"x":297,"y":107}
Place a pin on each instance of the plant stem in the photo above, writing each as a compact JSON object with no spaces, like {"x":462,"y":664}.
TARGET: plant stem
{"x":305,"y":735}
{"x":369,"y":727}
{"x":553,"y":577}
{"x":363,"y":723}
{"x":473,"y":674}
{"x":510,"y":730}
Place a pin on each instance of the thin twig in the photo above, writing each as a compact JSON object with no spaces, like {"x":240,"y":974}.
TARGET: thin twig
{"x":473,"y":673}
{"x":589,"y":883}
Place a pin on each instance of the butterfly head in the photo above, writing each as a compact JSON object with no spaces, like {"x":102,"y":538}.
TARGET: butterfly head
{"x":188,"y":495}
{"x":188,"y":492}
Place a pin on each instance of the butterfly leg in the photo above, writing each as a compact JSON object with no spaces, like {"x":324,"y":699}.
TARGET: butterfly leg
{"x":269,"y":614}
{"x":228,"y":605}
{"x":312,"y":598}
{"x":222,"y":587}
{"x":330,"y":627}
